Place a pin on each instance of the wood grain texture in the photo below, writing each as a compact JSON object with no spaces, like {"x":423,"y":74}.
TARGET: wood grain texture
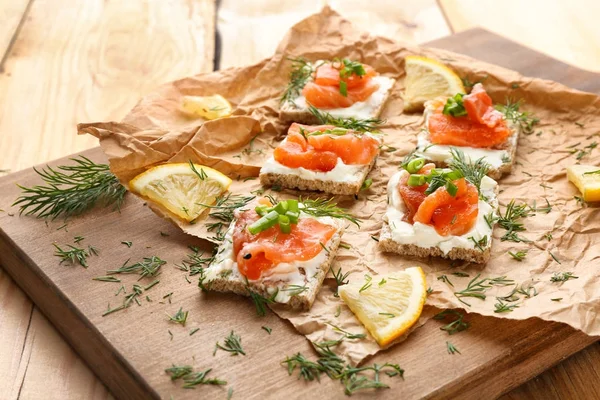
{"x":89,"y":61}
{"x":566,"y":30}
{"x":520,"y":351}
{"x":252,"y":32}
{"x":12,"y":14}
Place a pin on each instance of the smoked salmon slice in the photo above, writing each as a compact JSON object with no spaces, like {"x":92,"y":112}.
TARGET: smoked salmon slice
{"x":311,"y":147}
{"x":258,"y":253}
{"x":449,"y":215}
{"x":482,"y":127}
{"x":325,"y":90}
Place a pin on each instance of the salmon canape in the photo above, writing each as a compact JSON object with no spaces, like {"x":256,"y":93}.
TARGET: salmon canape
{"x":342,"y":88}
{"x":323,"y":157}
{"x":280,"y":252}
{"x":440,"y":212}
{"x":471,"y":123}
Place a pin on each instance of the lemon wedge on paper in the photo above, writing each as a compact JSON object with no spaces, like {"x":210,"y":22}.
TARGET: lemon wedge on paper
{"x":208,"y":107}
{"x":182,"y":190}
{"x":587,"y":180}
{"x":387,"y":305}
{"x":427,"y":79}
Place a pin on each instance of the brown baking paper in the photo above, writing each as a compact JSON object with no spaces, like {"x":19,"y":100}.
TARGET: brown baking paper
{"x":157,"y":131}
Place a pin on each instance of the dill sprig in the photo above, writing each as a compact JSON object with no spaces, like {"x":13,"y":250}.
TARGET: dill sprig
{"x":451,"y":348}
{"x":562,"y":277}
{"x":368,"y":283}
{"x":455,"y":326}
{"x":340,"y":278}
{"x":149,"y":266}
{"x":222,"y":212}
{"x":475,"y":288}
{"x":74,"y":255}
{"x":348,"y":335}
{"x":137,"y":291}
{"x":526,"y":121}
{"x":301,"y":72}
{"x":261,"y":302}
{"x":71,"y":190}
{"x":195,"y":262}
{"x":180,"y":317}
{"x":358,"y":125}
{"x":472,"y":171}
{"x":510,"y":221}
{"x":325,"y":208}
{"x":501,"y":307}
{"x":519,"y":255}
{"x":199,"y":378}
{"x":295,"y":290}
{"x":179,"y":371}
{"x":232,"y":344}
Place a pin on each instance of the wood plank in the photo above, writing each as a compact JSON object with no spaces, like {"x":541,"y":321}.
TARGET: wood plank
{"x":251,"y":33}
{"x":90,"y":61}
{"x":519,"y":353}
{"x":566,"y":30}
{"x":58,"y":40}
{"x":12,"y":13}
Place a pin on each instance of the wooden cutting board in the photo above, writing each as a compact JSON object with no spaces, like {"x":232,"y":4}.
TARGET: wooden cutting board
{"x":130,"y":349}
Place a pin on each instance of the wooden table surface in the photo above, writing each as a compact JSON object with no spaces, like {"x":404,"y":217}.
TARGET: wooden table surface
{"x":63,"y":62}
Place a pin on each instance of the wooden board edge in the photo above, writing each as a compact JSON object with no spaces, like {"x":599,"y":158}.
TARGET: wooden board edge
{"x":103,"y":359}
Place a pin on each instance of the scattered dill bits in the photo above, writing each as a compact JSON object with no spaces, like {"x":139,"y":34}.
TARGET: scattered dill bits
{"x":136,"y":291}
{"x":168,"y":297}
{"x":128,"y":244}
{"x":348,"y":335}
{"x":579,"y":124}
{"x":78,"y":239}
{"x":562,"y":277}
{"x":121,"y":289}
{"x":232,"y":344}
{"x":524,"y":120}
{"x":460,"y":274}
{"x":221,"y":213}
{"x":295,"y":290}
{"x":374,"y":238}
{"x":170,"y":334}
{"x":545,"y":186}
{"x":71,"y":190}
{"x":554,"y":257}
{"x":468,"y":84}
{"x":326,"y":208}
{"x":548,"y":236}
{"x":180,"y":317}
{"x":367,"y":284}
{"x":194,"y":331}
{"x":149,"y":266}
{"x":230,"y":393}
{"x":177,"y":372}
{"x":580,"y":200}
{"x":266,"y":329}
{"x":455,"y":326}
{"x":366,"y":184}
{"x":519,"y":255}
{"x":345,"y":246}
{"x":338,"y":311}
{"x":358,"y":125}
{"x":475,"y":288}
{"x":451,"y":348}
{"x":199,"y":378}
{"x":501,"y":307}
{"x":557,"y":299}
{"x":74,"y":255}
{"x":510,"y":221}
{"x":340,"y":278}
{"x":389,"y":315}
{"x":106,"y":279}
{"x":164,"y":234}
{"x":150,"y":286}
{"x":429,"y":290}
{"x":481,"y":243}
{"x":444,"y":278}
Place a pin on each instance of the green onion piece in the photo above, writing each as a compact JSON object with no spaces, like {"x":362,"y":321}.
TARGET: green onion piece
{"x":281,"y":207}
{"x":261,"y":210}
{"x":343,"y":89}
{"x":264,"y":223}
{"x":451,"y":188}
{"x":284,"y":224}
{"x":416,"y":180}
{"x":293,"y":205}
{"x":453,"y":175}
{"x":293,"y":216}
{"x":415,"y":165}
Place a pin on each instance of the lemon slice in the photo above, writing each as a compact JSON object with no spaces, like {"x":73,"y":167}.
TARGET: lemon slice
{"x":587,"y":180}
{"x":181,"y":190}
{"x":208,"y":107}
{"x":427,"y":79}
{"x":387,"y":305}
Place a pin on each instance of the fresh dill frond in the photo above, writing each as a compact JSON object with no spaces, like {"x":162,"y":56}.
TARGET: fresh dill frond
{"x":510,"y":221}
{"x":501,"y":307}
{"x":444,"y":278}
{"x":455,"y":326}
{"x":267,"y":329}
{"x":325,"y":208}
{"x":200,"y":174}
{"x":525,"y":120}
{"x":179,"y":371}
{"x":451,"y":348}
{"x":481,"y":243}
{"x":149,"y":266}
{"x":71,"y":190}
{"x":74,"y":255}
{"x":222,"y":212}
{"x":261,"y":302}
{"x":562,"y":277}
{"x":474,"y":172}
{"x":106,"y":279}
{"x":295,"y":290}
{"x":348,"y":335}
{"x":300,"y":74}
{"x":519,"y":255}
{"x":358,"y":125}
{"x":340,"y":278}
{"x":475,"y":288}
{"x":368,"y":283}
{"x":127,"y":243}
{"x":232,"y":344}
{"x":180,"y":317}
{"x":199,"y":378}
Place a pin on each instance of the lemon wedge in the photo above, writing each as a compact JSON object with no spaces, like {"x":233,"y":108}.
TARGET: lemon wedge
{"x":208,"y":107}
{"x":387,"y":305}
{"x":181,"y":189}
{"x":427,"y":79}
{"x":587,"y":180}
